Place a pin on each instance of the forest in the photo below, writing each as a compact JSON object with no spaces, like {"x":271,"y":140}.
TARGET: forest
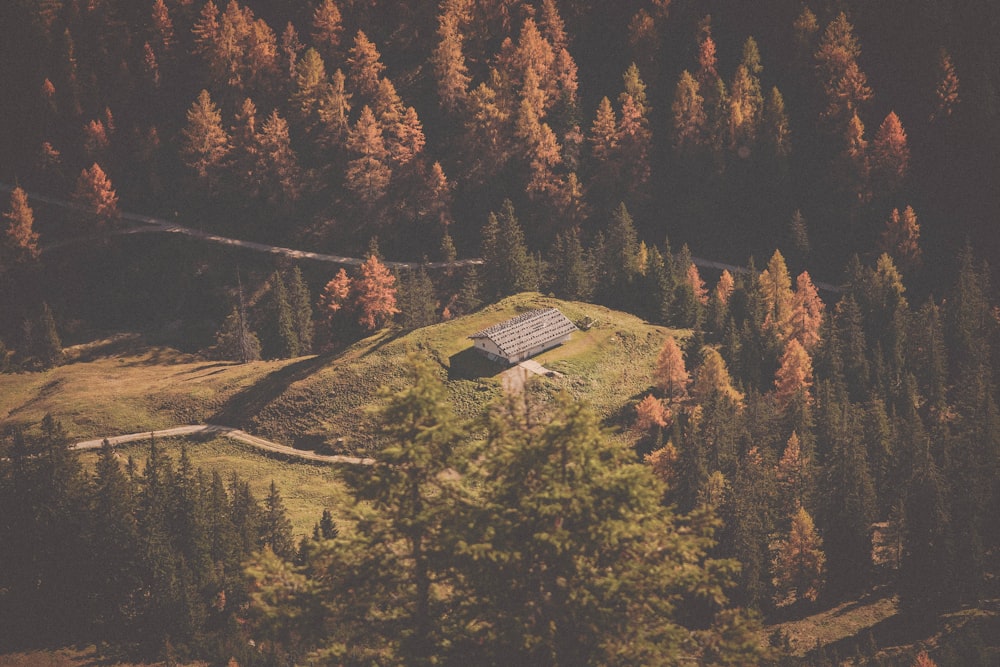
{"x":824,"y":423}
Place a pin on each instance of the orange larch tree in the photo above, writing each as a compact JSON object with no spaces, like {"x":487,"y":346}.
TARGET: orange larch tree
{"x":20,"y":239}
{"x":335,"y":295}
{"x":368,"y":173}
{"x":890,"y":154}
{"x":806,"y":317}
{"x":697,"y":284}
{"x":365,"y":66}
{"x":688,"y":109}
{"x":204,"y":143}
{"x":946,"y":92}
{"x":776,"y":287}
{"x":724,"y":288}
{"x":651,"y":413}
{"x":794,"y":376}
{"x":327,"y":25}
{"x":94,"y":192}
{"x":450,"y":70}
{"x":799,"y":563}
{"x":374,"y":294}
{"x":791,"y":475}
{"x":672,"y":378}
{"x":843,"y":82}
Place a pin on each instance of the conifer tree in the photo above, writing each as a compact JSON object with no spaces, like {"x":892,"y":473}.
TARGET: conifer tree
{"x":20,"y":241}
{"x":450,"y":69}
{"x":794,"y":376}
{"x":844,"y":84}
{"x":689,"y":120}
{"x":417,"y":305}
{"x":901,"y":238}
{"x":792,"y":476}
{"x":671,"y":377}
{"x":946,"y":97}
{"x":300,"y":302}
{"x":365,"y":66}
{"x":374,"y":295}
{"x":650,"y":412}
{"x":277,"y":164}
{"x":890,"y":154}
{"x":507,"y":266}
{"x":276,"y":529}
{"x":799,"y":562}
{"x":204,"y":143}
{"x":287,"y":340}
{"x":310,"y":87}
{"x":805,"y":320}
{"x":235,"y":340}
{"x":94,"y":193}
{"x":327,"y":26}
{"x":572,"y":274}
{"x":368,"y":173}
{"x":712,"y":378}
{"x":334,"y":113}
{"x":746,"y":101}
{"x":48,"y":346}
{"x":335,"y":294}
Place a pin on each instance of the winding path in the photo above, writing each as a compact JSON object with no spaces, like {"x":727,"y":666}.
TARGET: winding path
{"x":227,"y":432}
{"x":147,"y":224}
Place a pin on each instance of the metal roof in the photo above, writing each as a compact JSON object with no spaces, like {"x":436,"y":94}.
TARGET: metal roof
{"x":527,"y":330}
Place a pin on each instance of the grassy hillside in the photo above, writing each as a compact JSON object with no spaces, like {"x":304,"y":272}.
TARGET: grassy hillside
{"x":118,"y":386}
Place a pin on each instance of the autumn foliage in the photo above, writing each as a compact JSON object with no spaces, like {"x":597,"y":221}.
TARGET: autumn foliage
{"x":799,"y":562}
{"x":794,"y":377}
{"x":650,"y":413}
{"x":369,"y":298}
{"x":672,"y":378}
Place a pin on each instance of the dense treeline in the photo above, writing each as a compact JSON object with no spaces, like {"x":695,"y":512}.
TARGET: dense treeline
{"x":144,"y":560}
{"x":324,"y":123}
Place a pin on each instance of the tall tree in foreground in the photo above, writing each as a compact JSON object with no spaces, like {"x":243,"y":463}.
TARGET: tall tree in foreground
{"x":20,"y":239}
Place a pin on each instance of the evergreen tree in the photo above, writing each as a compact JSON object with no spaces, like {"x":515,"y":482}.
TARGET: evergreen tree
{"x":418,"y":307}
{"x":48,"y":346}
{"x":799,"y":562}
{"x":507,"y":267}
{"x":326,"y":29}
{"x":300,"y":302}
{"x":204,"y":143}
{"x":287,"y":340}
{"x":276,"y":529}
{"x":20,"y":241}
{"x":572,"y":274}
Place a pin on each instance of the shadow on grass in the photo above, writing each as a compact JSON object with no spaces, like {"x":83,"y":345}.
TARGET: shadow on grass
{"x":240,"y":408}
{"x":471,"y":365}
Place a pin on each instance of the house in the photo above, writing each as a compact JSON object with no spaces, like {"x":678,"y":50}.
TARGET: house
{"x":523,"y":336}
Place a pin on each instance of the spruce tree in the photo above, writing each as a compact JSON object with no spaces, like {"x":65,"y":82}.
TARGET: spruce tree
{"x":300,"y":302}
{"x":276,"y":529}
{"x":48,"y":346}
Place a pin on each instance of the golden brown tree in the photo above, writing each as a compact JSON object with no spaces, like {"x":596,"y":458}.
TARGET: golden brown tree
{"x":794,"y":376}
{"x":697,"y":284}
{"x":805,"y":320}
{"x":20,"y":241}
{"x":163,"y":28}
{"x":791,"y":475}
{"x":901,"y":238}
{"x":94,"y":193}
{"x":277,"y":164}
{"x":368,"y":173}
{"x":672,"y":378}
{"x":204,"y":143}
{"x":712,"y":378}
{"x":450,"y":70}
{"x":890,"y":154}
{"x":946,"y":92}
{"x":724,"y":288}
{"x":364,"y":66}
{"x":334,"y":113}
{"x":335,"y":295}
{"x":664,"y":463}
{"x":689,"y":120}
{"x":310,"y":87}
{"x":923,"y":660}
{"x":776,"y":288}
{"x":844,"y":84}
{"x":651,"y":413}
{"x":374,"y":294}
{"x":799,"y":562}
{"x":327,"y":25}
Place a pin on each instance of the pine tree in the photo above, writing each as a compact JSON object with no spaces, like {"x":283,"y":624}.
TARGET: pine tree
{"x":235,"y":340}
{"x":792,"y":476}
{"x":20,"y":241}
{"x":300,"y":302}
{"x":374,"y":295}
{"x":689,"y":120}
{"x":48,"y":346}
{"x":650,"y":412}
{"x":418,"y":307}
{"x":844,"y":84}
{"x":794,"y":376}
{"x":365,"y":66}
{"x":204,"y":143}
{"x":334,"y":112}
{"x":746,"y":101}
{"x":368,"y":174}
{"x":310,"y":87}
{"x":287,"y":341}
{"x":508,"y":268}
{"x":278,"y":167}
{"x":671,"y":376}
{"x":326,"y":29}
{"x":276,"y":529}
{"x":946,"y":97}
{"x":712,"y":378}
{"x":901,"y":239}
{"x":805,"y":320}
{"x":95,"y":194}
{"x":450,"y":69}
{"x":890,"y":154}
{"x":335,"y":294}
{"x":799,"y":562}
{"x":775,"y":131}
{"x":572,"y":273}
